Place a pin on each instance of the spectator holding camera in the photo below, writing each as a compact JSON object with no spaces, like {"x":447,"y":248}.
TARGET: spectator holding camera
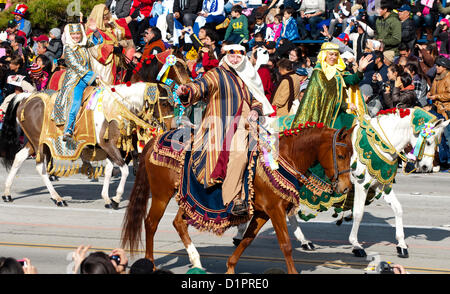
{"x":9,"y":265}
{"x":99,"y":262}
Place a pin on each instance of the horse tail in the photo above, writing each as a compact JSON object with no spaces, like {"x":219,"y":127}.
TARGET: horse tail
{"x":137,"y":206}
{"x":9,"y":136}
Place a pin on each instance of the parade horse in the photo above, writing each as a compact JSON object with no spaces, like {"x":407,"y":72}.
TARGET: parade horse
{"x":332,"y":148}
{"x":162,"y":116}
{"x":398,"y":129}
{"x":29,"y":114}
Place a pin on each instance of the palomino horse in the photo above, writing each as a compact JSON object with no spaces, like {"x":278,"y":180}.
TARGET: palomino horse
{"x":132,"y":97}
{"x":398,"y":132}
{"x":332,"y":148}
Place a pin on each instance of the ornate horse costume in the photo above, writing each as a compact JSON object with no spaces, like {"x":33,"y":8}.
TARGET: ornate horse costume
{"x":156,"y":112}
{"x":377,"y":144}
{"x":164,"y":171}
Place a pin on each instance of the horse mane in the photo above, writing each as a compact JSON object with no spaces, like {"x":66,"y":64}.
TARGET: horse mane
{"x":126,"y":93}
{"x":305,"y":139}
{"x":148,"y":69}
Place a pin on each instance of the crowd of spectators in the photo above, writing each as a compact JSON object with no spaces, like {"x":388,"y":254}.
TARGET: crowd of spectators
{"x":408,"y":41}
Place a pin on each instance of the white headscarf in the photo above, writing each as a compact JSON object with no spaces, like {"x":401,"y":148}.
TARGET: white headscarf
{"x":249,"y":76}
{"x":262,"y":57}
{"x":73,"y":28}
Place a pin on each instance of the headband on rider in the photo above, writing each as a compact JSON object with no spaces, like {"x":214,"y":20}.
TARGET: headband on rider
{"x":234,"y":49}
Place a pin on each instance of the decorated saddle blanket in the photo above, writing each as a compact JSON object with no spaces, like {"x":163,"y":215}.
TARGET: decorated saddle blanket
{"x":311,"y":192}
{"x":51,"y":134}
{"x":368,"y":145}
{"x":203,"y":207}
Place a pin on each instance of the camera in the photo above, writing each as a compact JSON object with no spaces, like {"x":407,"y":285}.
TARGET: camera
{"x":22,"y":262}
{"x":116,"y":258}
{"x":382,"y":268}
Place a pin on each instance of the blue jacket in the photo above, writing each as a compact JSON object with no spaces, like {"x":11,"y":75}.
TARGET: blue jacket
{"x":291,"y":32}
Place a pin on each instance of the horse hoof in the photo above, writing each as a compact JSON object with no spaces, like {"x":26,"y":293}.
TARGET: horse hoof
{"x":108,"y":206}
{"x":402,"y":252}
{"x":236,"y":241}
{"x":339,"y":222}
{"x":7,"y":198}
{"x":308,"y":247}
{"x":348,"y":218}
{"x":114,"y":204}
{"x":60,"y":203}
{"x":359,"y":252}
{"x":65,"y":203}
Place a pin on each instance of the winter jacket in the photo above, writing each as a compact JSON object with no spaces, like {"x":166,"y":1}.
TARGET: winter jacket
{"x":187,"y":6}
{"x":441,"y":89}
{"x":409,"y":32}
{"x":442,"y":39}
{"x":389,"y":31}
{"x":405,"y":98}
{"x":145,"y":7}
{"x":123,"y":7}
{"x":55,"y":47}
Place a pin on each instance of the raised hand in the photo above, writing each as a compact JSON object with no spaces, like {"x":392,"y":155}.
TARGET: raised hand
{"x":364,"y":62}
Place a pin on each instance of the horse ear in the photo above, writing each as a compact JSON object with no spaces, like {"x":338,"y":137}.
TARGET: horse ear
{"x":441,"y":123}
{"x":341,"y":133}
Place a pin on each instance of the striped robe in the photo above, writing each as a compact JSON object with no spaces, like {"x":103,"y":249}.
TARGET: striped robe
{"x":224,"y":92}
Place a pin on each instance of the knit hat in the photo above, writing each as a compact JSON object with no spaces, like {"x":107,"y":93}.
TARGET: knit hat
{"x":35,"y":71}
{"x":389,"y":55}
{"x":366,"y":90}
{"x":56,"y":32}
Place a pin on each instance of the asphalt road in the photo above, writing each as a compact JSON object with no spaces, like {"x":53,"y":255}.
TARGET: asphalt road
{"x":32,"y":226}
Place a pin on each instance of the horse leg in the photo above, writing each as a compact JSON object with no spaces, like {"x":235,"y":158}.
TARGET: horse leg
{"x":306,"y":244}
{"x":358,"y":211}
{"x":156,"y":212}
{"x":120,"y":189}
{"x":402,"y":248}
{"x":107,"y":180}
{"x":20,"y":157}
{"x":278,"y":218}
{"x":182,"y":229}
{"x":42,"y":170}
{"x":257,"y":222}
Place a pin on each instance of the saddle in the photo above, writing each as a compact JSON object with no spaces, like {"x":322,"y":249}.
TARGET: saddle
{"x":203,"y":207}
{"x":51,"y":134}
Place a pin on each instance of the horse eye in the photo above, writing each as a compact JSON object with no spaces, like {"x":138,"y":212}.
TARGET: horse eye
{"x":341,"y":156}
{"x":428,"y":143}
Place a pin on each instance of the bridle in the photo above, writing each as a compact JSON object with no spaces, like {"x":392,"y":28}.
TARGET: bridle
{"x":337,"y":173}
{"x":301,"y":177}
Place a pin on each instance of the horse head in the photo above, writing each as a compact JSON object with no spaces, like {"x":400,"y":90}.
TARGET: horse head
{"x":332,"y":148}
{"x":425,"y":142}
{"x":335,"y":153}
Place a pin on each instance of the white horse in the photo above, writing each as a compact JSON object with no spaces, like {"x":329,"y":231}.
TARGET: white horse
{"x":132,"y":97}
{"x":397,"y":132}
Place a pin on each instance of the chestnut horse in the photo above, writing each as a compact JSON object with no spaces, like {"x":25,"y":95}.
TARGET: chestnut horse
{"x":332,"y":148}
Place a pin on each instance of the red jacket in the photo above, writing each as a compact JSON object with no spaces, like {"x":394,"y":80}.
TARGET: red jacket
{"x":266,"y":78}
{"x":144,"y":5}
{"x":207,"y":64}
